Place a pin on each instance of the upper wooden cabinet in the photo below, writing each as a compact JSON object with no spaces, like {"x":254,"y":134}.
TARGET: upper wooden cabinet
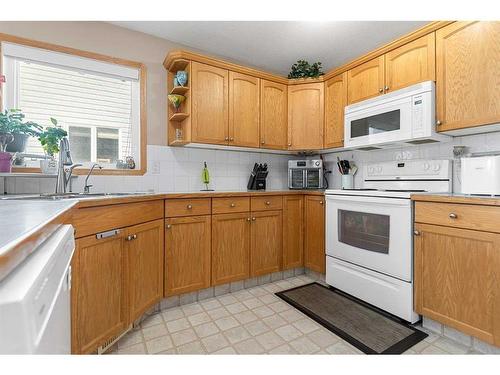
{"x":187,"y":254}
{"x":456,"y":279}
{"x":209,"y":104}
{"x":366,"y":80}
{"x":335,"y":101}
{"x":305,"y":116}
{"x":144,"y":266}
{"x":244,"y":91}
{"x":314,"y":244}
{"x":273,"y":115}
{"x":410,"y":64}
{"x":468,"y":75}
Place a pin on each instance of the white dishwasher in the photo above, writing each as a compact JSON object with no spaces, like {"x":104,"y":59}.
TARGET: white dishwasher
{"x":35,"y":299}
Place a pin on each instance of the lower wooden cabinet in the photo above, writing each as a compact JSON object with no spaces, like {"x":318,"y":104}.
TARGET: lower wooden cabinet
{"x":314,"y":243}
{"x":187,"y":254}
{"x":144,"y":267}
{"x":230,"y":247}
{"x":115,"y":280}
{"x":98,"y":294}
{"x":266,"y":243}
{"x":293,"y":231}
{"x":457,"y":279}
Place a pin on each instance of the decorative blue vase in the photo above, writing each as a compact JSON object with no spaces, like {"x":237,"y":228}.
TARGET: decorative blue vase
{"x":176,"y":83}
{"x":182,"y":77}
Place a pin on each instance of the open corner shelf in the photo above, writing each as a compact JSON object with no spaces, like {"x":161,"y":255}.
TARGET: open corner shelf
{"x":178,"y":65}
{"x":178,"y":117}
{"x":180,"y":90}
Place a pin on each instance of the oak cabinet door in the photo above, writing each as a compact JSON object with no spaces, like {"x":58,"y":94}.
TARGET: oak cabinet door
{"x":273,"y":115}
{"x":305,"y":116}
{"x":98,"y":294}
{"x":244,"y":92}
{"x":293,"y":231}
{"x":335,"y":101}
{"x":411,"y":63}
{"x":144,"y":266}
{"x":314,"y":252}
{"x":230,"y":247}
{"x":209,"y":106}
{"x":266,"y":242}
{"x":468,"y":75}
{"x":366,"y":80}
{"x":187,"y":254}
{"x":457,"y":279}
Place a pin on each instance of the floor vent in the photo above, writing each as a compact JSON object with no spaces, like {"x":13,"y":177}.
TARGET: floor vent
{"x":108,"y":344}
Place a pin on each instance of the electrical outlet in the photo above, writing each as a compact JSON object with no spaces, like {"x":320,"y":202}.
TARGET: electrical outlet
{"x":155,"y":167}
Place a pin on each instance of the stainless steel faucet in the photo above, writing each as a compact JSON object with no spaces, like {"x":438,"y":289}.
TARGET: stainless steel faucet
{"x":64,"y":174}
{"x":86,"y":188}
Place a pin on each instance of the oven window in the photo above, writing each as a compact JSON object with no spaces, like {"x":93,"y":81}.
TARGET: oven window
{"x":364,"y":230}
{"x":381,"y":123}
{"x":313,"y":178}
{"x":297,"y":178}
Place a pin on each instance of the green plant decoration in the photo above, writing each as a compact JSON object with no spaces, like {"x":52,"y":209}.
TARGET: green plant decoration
{"x":302,"y":69}
{"x":12,"y":121}
{"x":50,"y":138}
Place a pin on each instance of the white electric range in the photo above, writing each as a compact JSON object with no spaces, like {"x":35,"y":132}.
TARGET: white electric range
{"x":369,"y":241}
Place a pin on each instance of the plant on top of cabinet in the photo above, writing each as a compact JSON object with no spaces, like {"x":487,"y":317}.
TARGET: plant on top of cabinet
{"x":302,"y":69}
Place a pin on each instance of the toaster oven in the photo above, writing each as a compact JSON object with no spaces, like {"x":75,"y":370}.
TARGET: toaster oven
{"x":305,"y":174}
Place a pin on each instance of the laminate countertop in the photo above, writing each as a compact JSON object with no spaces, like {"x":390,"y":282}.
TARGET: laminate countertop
{"x":485,"y":200}
{"x":27,"y":221}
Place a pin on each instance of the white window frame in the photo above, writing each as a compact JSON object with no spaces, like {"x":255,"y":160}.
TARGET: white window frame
{"x":12,"y":52}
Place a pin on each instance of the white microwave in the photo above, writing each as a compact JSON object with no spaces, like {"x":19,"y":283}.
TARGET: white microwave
{"x":402,"y":117}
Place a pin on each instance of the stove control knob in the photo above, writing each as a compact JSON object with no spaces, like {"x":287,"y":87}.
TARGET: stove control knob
{"x":436,"y":167}
{"x":426,"y":166}
{"x":370,"y":170}
{"x":316,"y":164}
{"x":379,"y":169}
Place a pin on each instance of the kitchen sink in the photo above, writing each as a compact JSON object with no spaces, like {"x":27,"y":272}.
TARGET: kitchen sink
{"x":69,"y":196}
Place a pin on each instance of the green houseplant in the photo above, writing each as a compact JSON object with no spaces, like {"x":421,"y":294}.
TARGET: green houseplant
{"x":12,"y":122}
{"x":302,"y":69}
{"x":51,"y":136}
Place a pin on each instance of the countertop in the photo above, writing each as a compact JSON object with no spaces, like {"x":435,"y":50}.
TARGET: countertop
{"x":485,"y":200}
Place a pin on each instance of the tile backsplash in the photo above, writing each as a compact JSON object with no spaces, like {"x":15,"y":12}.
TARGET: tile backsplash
{"x":174,"y":169}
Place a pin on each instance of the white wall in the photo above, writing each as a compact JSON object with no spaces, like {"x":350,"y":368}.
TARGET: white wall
{"x":175,"y":169}
{"x":475,"y":143}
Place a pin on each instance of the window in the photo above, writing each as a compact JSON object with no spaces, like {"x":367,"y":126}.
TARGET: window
{"x":96,"y":102}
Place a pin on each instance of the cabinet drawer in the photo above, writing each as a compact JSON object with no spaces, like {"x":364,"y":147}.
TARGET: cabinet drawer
{"x":266,"y":203}
{"x":228,"y":205}
{"x":484,"y":218}
{"x":187,"y":207}
{"x":92,"y":220}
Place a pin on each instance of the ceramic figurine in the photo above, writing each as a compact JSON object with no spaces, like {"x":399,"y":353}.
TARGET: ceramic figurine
{"x":182,"y":77}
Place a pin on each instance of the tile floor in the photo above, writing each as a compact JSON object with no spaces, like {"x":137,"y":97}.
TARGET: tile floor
{"x":250,"y":321}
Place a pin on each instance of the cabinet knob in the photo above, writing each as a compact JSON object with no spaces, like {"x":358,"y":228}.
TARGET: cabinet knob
{"x":232,"y":205}
{"x":169,"y":226}
{"x":226,"y":139}
{"x":262,"y":142}
{"x":416,"y":233}
{"x":189,"y":206}
{"x":129,"y":238}
{"x":381,"y":90}
{"x":386,"y":88}
{"x":231,"y":139}
{"x":452,"y":215}
{"x":248,"y":219}
{"x":438,"y":122}
{"x":268,"y":203}
{"x":320,"y":202}
{"x":289,"y":145}
{"x":253,"y":219}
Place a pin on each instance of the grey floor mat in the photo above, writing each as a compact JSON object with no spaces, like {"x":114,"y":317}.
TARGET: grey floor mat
{"x":362,"y":325}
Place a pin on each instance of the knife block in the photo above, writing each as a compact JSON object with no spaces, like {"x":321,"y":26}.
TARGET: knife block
{"x":257,"y":181}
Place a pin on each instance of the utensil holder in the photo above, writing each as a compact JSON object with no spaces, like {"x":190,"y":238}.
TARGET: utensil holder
{"x":347,"y":181}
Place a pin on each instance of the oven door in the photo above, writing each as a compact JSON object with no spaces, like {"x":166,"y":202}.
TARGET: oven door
{"x":374,"y":233}
{"x":379,"y":123}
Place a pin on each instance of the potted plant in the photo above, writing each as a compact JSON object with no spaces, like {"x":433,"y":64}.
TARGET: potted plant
{"x":49,"y":139}
{"x":302,"y":69}
{"x":12,"y":122}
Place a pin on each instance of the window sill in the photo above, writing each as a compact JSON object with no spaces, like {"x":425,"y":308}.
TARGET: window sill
{"x":84,"y":171}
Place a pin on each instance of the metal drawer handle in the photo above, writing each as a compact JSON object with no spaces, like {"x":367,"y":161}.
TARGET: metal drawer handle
{"x":452,"y":215}
{"x":416,"y":233}
{"x":189,"y":206}
{"x":268,"y":203}
{"x":233,"y":205}
{"x":109,"y":233}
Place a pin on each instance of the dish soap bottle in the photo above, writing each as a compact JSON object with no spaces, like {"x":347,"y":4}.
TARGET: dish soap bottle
{"x":205,"y":177}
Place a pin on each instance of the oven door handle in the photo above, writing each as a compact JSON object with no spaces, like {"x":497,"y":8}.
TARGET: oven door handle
{"x":404,"y":202}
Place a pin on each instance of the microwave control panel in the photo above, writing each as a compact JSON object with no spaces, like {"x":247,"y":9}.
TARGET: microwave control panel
{"x":417,"y":114}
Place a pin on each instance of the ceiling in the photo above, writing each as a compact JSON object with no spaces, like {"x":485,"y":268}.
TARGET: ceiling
{"x":275,"y":45}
